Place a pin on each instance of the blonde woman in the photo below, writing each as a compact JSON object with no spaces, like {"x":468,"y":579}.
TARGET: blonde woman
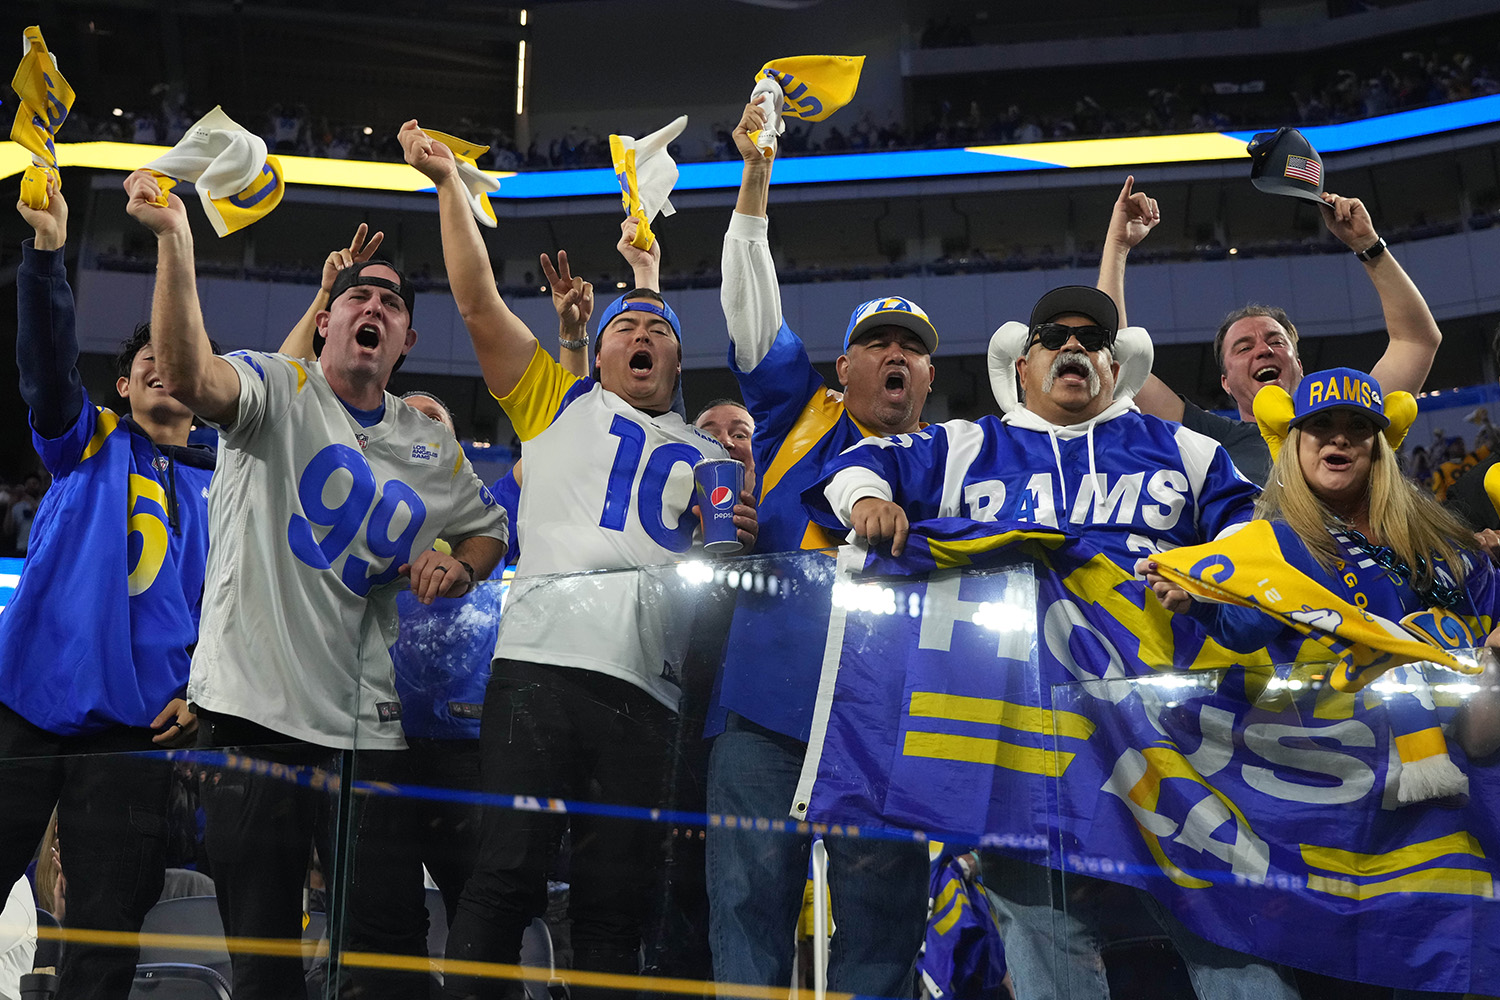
{"x":1369,"y":535}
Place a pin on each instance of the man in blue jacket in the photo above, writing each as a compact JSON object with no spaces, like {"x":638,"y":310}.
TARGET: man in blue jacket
{"x":95,"y":644}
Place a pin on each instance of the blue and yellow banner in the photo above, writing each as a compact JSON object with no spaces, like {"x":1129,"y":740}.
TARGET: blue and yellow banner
{"x":1025,"y":697}
{"x":814,"y":87}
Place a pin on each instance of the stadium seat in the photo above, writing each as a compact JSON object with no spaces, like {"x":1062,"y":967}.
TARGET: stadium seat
{"x":178,"y":981}
{"x":189,"y":916}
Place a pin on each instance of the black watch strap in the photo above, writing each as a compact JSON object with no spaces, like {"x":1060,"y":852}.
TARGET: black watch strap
{"x":1372,"y":252}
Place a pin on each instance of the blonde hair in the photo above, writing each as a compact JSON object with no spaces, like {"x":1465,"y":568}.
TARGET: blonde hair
{"x":1410,"y":522}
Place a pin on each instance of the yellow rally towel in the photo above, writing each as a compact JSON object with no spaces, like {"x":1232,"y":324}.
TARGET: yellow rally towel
{"x":46,"y":99}
{"x":237,"y":182}
{"x":478,"y":183}
{"x":806,"y":87}
{"x":647,"y":174}
{"x":1249,"y":568}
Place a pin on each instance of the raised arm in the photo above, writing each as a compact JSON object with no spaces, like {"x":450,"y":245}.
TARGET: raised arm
{"x":185,"y":360}
{"x":573,"y":298}
{"x":502,"y":343}
{"x":750,"y":295}
{"x":299,"y":342}
{"x":46,"y":342}
{"x":1134,"y":216}
{"x":1414,"y":334}
{"x":645,"y":265}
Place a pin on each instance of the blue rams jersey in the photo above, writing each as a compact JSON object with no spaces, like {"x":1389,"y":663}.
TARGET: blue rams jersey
{"x":775,"y":648}
{"x":101,"y":628}
{"x":507,"y":493}
{"x":1137,"y":484}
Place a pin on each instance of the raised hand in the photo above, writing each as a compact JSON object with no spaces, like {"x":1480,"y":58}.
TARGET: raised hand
{"x":753,"y":120}
{"x":358,"y":251}
{"x":1134,"y":216}
{"x":431,"y":157}
{"x":1348,"y":219}
{"x":572,"y":297}
{"x":144,"y":205}
{"x":50,"y":223}
{"x":648,"y":261}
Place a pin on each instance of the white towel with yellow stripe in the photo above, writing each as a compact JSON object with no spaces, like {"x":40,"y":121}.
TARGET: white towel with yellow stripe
{"x":647,"y":173}
{"x":476,"y":182}
{"x":237,"y":181}
{"x":45,"y":100}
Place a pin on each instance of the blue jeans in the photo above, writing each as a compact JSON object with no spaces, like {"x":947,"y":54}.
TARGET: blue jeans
{"x":1054,"y":937}
{"x":756,"y":879}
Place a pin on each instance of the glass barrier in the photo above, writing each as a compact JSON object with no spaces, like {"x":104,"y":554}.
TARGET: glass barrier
{"x":950,"y":775}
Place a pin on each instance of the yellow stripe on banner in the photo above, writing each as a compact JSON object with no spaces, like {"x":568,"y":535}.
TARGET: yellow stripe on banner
{"x":1444,"y":881}
{"x":994,"y":712}
{"x":1126,"y":151}
{"x":977,"y":750}
{"x":821,"y":413}
{"x":950,"y":895}
{"x":1422,"y":744}
{"x":961,"y":552}
{"x":128,"y":156}
{"x":301,"y":373}
{"x":104,"y":426}
{"x":1344,"y":862}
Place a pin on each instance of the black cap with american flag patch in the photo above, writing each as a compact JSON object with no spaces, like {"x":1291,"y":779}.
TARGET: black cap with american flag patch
{"x":1284,"y":162}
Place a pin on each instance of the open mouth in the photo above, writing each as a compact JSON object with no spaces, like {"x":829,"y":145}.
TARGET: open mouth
{"x":154,"y":383}
{"x":895,"y":380}
{"x":1072,"y":364}
{"x":1337,"y":462}
{"x":368,"y":336}
{"x":641,"y":361}
{"x":1267,"y":374}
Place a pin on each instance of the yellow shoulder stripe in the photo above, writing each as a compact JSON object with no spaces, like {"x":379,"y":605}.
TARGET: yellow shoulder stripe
{"x":104,"y":426}
{"x":301,"y":372}
{"x":821,"y":413}
{"x":533,"y":403}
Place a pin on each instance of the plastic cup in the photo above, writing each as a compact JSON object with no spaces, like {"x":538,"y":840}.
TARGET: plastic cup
{"x":718,"y":483}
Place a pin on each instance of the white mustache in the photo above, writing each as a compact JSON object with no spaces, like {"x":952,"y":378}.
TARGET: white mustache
{"x":1062,"y":358}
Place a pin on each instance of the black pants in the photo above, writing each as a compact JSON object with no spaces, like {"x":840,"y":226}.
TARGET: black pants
{"x":262,"y":824}
{"x":553,"y":731}
{"x":112,"y":835}
{"x":395,"y":837}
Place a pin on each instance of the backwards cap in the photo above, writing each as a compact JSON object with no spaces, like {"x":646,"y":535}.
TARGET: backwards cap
{"x":353,"y":275}
{"x":619,"y":306}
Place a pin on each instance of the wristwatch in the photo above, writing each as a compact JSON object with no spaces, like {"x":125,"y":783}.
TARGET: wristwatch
{"x":1372,"y":252}
{"x":573,"y":345}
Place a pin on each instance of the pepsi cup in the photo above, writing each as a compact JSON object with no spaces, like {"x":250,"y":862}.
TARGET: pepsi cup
{"x":718,"y":482}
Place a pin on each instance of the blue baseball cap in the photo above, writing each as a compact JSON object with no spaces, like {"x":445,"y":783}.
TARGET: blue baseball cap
{"x":892,"y":311}
{"x":1339,"y":389}
{"x":619,"y":306}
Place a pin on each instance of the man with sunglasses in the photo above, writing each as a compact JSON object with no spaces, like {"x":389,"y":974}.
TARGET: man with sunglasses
{"x":1073,"y":456}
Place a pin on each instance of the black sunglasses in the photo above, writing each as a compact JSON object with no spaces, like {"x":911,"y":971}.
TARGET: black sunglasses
{"x":1054,"y":335}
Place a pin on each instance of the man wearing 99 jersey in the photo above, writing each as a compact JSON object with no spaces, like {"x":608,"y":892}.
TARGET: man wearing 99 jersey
{"x":586,"y":683}
{"x":329,"y":495}
{"x":94,"y":646}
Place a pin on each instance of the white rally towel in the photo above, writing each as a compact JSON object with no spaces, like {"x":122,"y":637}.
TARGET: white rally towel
{"x":237,"y":181}
{"x":476,"y":182}
{"x":647,"y":174}
{"x":767,"y":96}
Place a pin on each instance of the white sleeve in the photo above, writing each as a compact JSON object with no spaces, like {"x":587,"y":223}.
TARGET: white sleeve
{"x":268,"y":383}
{"x":750,"y":296}
{"x":851,"y":485}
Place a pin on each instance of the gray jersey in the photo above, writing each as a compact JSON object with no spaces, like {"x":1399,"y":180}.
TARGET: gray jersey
{"x":310,"y":518}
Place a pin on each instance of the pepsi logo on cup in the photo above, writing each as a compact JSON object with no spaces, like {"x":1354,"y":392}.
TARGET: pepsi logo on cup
{"x":718,"y":483}
{"x":722,"y":497}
